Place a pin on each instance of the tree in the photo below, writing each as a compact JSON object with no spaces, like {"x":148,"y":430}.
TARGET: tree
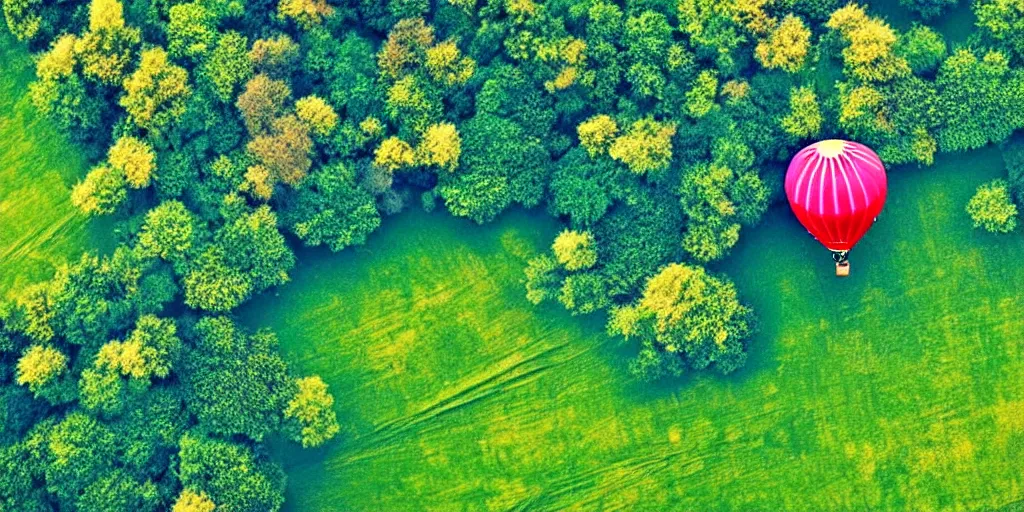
{"x":786,"y":46}
{"x":923,"y":48}
{"x":992,"y":209}
{"x":646,"y":147}
{"x":1003,"y":21}
{"x":981,"y":100}
{"x":108,"y":47}
{"x":331,"y":208}
{"x":700,"y":99}
{"x":262,"y":102}
{"x":40,"y":365}
{"x":228,"y":65}
{"x":235,"y":383}
{"x":155,"y":93}
{"x":191,"y":501}
{"x":134,"y":159}
{"x":394,"y":154}
{"x":804,"y":118}
{"x":150,"y":350}
{"x":285,"y":150}
{"x":543,"y":278}
{"x":191,"y":31}
{"x":441,"y":147}
{"x":317,"y":114}
{"x":597,"y":134}
{"x":229,"y":474}
{"x":500,"y":164}
{"x":870,"y":55}
{"x":168,"y":233}
{"x":687,"y":312}
{"x":309,"y":417}
{"x":305,"y":13}
{"x":253,"y":245}
{"x":928,"y":8}
{"x":575,"y":250}
{"x":275,"y":57}
{"x":102,"y":191}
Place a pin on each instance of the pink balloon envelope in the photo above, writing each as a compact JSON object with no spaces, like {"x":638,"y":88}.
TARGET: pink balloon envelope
{"x":836,"y":189}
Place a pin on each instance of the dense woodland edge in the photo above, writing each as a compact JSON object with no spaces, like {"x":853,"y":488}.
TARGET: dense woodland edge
{"x":227,"y":132}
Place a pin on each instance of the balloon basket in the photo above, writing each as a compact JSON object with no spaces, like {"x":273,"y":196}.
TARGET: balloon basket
{"x":843,"y":269}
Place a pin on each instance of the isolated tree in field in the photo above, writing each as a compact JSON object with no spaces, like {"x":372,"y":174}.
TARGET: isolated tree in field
{"x":575,"y":250}
{"x":992,"y":209}
{"x":688,"y":312}
{"x":134,"y":158}
{"x":155,"y":93}
{"x":309,"y":417}
{"x":786,"y":46}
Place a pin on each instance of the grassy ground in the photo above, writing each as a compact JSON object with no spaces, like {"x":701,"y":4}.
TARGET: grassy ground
{"x":899,"y":387}
{"x":39,"y":228}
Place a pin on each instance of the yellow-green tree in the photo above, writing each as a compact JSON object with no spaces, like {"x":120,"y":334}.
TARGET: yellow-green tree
{"x":870,"y":52}
{"x":786,"y":45}
{"x":156,"y":92}
{"x":309,"y":416}
{"x":597,"y":134}
{"x":393,"y":154}
{"x":645,"y":147}
{"x":575,"y":250}
{"x":102,"y":191}
{"x":317,"y":114}
{"x":441,"y":146}
{"x":134,"y":158}
{"x":804,"y":118}
{"x":39,"y":366}
{"x":192,"y":501}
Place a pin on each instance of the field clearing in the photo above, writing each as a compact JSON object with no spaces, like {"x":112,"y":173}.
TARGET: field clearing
{"x":39,"y":228}
{"x":897,"y":388}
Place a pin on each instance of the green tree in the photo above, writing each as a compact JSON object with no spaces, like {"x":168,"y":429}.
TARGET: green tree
{"x":332,"y":209}
{"x":786,"y":46}
{"x":804,"y":118}
{"x":229,"y":474}
{"x":102,"y":191}
{"x":191,"y":31}
{"x":228,"y":66}
{"x":923,"y":48}
{"x":992,"y":209}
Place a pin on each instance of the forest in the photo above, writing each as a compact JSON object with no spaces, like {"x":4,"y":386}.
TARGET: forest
{"x":224,"y":136}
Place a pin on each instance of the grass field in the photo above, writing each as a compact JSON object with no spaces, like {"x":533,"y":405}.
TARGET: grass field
{"x":39,"y":228}
{"x":897,"y":388}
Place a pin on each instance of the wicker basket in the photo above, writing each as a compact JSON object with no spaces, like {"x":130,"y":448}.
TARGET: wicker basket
{"x":843,"y":269}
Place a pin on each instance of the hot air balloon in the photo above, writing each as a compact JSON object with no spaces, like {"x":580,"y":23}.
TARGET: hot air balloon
{"x":836,"y":189}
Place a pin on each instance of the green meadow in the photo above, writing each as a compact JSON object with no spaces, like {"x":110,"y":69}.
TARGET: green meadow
{"x":897,"y":388}
{"x":39,"y":228}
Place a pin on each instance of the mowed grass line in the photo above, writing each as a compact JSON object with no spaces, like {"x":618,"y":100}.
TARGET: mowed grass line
{"x":897,"y":388}
{"x":39,"y":228}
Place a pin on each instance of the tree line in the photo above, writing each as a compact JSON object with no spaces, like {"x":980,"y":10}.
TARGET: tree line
{"x":226,"y":132}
